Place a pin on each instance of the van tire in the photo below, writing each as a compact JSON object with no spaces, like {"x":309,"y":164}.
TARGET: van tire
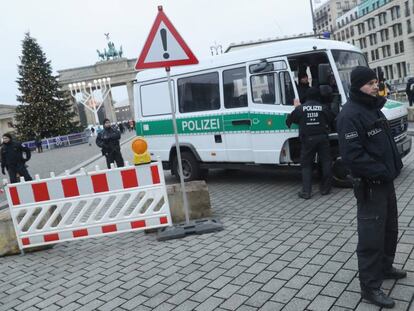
{"x":340,"y":175}
{"x":191,"y":167}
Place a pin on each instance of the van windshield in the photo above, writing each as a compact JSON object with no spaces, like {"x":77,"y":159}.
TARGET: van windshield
{"x":346,"y":61}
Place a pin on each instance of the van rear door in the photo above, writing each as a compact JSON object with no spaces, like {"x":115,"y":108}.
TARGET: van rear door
{"x":272,"y":95}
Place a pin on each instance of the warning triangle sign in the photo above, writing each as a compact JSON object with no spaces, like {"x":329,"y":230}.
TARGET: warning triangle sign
{"x":164,"y":46}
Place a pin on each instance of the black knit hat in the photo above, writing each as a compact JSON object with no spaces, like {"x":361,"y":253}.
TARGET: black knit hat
{"x":313,"y":94}
{"x":362,"y":75}
{"x":8,"y":135}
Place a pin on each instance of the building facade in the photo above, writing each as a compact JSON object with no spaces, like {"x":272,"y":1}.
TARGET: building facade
{"x":7,"y":114}
{"x":382,"y":29}
{"x":325,"y":15}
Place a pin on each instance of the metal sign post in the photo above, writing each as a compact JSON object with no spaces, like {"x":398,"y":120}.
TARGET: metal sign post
{"x":177,"y":144}
{"x":165,"y":48}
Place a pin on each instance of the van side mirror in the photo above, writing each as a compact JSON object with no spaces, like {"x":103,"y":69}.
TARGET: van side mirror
{"x":324,"y":73}
{"x":262,"y":66}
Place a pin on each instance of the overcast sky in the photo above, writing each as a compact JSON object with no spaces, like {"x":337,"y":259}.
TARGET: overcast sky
{"x":70,"y":31}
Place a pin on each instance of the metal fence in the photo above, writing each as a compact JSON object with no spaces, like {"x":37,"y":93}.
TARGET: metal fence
{"x":61,"y":141}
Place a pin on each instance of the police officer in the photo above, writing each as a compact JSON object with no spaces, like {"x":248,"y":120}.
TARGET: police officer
{"x":13,"y":158}
{"x":368,"y":150}
{"x":314,"y":119}
{"x":303,"y":86}
{"x":108,"y":140}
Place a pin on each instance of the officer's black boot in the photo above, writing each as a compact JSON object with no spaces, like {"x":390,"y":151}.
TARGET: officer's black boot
{"x":394,"y":273}
{"x":304,"y":195}
{"x":377,"y":297}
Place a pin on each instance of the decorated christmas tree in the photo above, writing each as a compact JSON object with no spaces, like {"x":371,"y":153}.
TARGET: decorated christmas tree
{"x":45,"y":109}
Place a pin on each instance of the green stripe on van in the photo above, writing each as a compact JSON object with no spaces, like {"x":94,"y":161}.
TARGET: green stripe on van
{"x":390,"y":104}
{"x":219,"y":123}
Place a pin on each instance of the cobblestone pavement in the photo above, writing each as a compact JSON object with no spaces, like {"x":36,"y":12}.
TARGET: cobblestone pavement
{"x":276,"y":253}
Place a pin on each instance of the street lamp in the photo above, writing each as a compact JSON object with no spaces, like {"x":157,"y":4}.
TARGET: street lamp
{"x":313,"y":17}
{"x":104,"y":85}
{"x":217,"y":48}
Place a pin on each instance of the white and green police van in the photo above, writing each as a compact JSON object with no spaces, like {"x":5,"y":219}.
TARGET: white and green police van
{"x":231,"y":109}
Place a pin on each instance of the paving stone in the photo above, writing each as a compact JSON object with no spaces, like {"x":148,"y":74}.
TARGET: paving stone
{"x":402,"y":292}
{"x":321,"y":278}
{"x":250,"y":288}
{"x":258,"y":299}
{"x":133,"y":303}
{"x":272,"y":306}
{"x":112,"y":305}
{"x":234,"y":302}
{"x":296,"y":304}
{"x":334,"y":289}
{"x":321,"y":303}
{"x":227,"y":291}
{"x":180,"y":297}
{"x":187,"y":305}
{"x":284,"y":295}
{"x":156,"y":300}
{"x":348,"y":300}
{"x":203,"y":294}
{"x":297,"y":282}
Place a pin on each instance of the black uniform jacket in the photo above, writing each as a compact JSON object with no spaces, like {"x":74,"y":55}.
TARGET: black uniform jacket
{"x":12,"y":154}
{"x":313,"y":117}
{"x":108,"y":140}
{"x":366,"y":144}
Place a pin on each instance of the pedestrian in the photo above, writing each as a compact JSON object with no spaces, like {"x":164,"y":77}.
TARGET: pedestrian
{"x":108,"y":140}
{"x":409,"y":90}
{"x":121,"y":128}
{"x":382,"y":89}
{"x":13,"y":158}
{"x":368,"y":150}
{"x":314,"y":119}
{"x":303,"y":86}
{"x":38,"y":143}
{"x":92,"y":131}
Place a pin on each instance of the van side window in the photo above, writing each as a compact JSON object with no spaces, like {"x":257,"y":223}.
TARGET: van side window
{"x":263,"y":89}
{"x":235,"y":89}
{"x":199,"y":93}
{"x":286,"y":87}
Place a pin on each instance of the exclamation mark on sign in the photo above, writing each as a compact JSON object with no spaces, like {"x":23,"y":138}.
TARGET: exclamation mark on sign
{"x":163,"y":33}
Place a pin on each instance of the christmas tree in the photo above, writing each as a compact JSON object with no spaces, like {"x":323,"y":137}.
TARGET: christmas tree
{"x":45,"y":109}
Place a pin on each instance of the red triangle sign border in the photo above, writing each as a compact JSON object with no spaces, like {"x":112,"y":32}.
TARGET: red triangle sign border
{"x":141,"y":64}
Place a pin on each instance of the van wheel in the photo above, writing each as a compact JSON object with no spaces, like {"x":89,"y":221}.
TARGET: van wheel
{"x":340,"y":175}
{"x":191,"y":167}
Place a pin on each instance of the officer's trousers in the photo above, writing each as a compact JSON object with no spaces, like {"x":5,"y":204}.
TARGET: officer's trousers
{"x":310,"y":146}
{"x":114,"y":157}
{"x":20,"y":169}
{"x":377,"y":233}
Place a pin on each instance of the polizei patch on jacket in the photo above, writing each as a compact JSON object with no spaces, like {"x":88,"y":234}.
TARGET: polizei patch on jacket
{"x":374,"y":132}
{"x":351,"y":135}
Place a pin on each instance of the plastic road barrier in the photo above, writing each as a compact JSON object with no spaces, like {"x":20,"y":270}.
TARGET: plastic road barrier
{"x":89,"y":204}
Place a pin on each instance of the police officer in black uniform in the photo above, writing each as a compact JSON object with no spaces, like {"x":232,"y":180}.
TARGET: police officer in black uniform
{"x":368,"y":150}
{"x":13,"y":158}
{"x":108,"y":140}
{"x":314,"y":119}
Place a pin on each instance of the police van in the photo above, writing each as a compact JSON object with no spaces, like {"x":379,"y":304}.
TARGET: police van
{"x":231,"y":109}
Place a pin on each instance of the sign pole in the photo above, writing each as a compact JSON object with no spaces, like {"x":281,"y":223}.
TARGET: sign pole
{"x":177,"y":148}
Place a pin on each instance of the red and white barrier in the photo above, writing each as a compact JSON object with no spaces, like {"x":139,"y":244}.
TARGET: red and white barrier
{"x":90,"y":204}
